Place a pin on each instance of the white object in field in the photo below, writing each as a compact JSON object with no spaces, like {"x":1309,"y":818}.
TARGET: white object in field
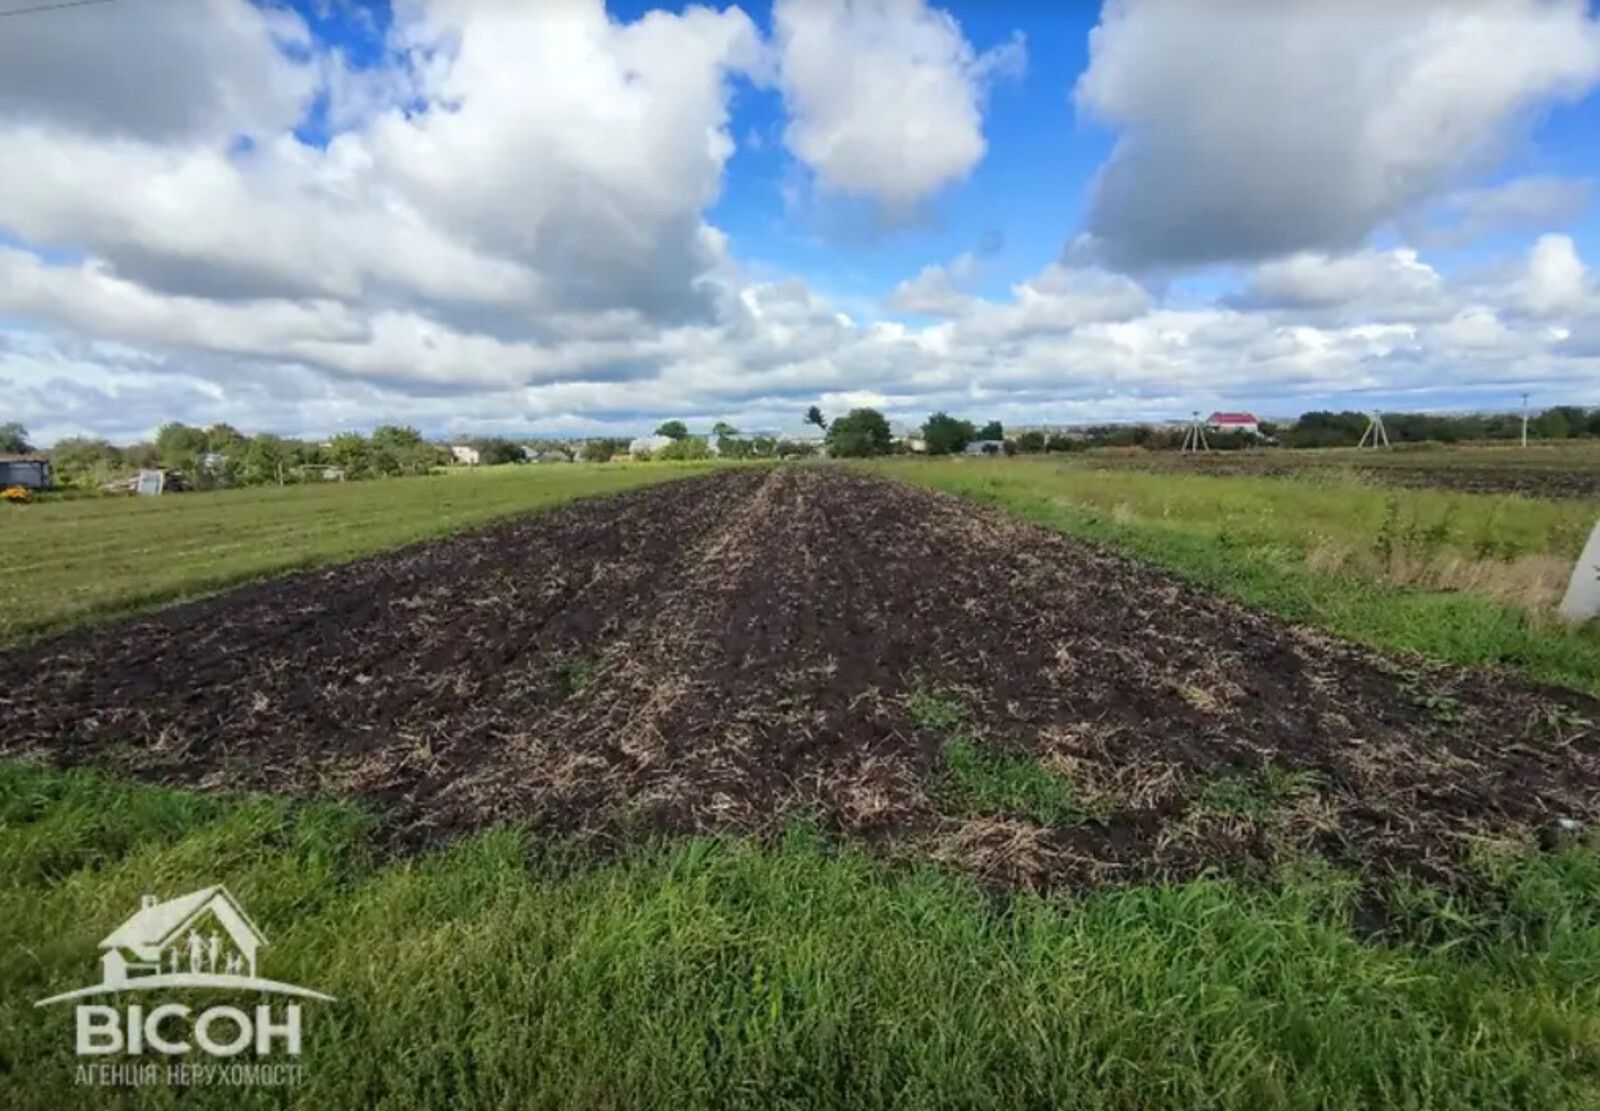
{"x":151,"y":483}
{"x":1583,"y":595}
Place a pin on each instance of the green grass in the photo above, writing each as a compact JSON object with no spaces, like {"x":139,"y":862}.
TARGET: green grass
{"x":988,"y":784}
{"x":1250,"y":537}
{"x":977,"y":782}
{"x":1255,"y":795}
{"x":70,"y":560}
{"x":724,"y":973}
{"x":1291,"y":514}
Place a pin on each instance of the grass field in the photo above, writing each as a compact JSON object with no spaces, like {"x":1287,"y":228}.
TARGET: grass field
{"x":64,"y":561}
{"x":804,"y":971}
{"x":1467,"y":578}
{"x":726,"y":974}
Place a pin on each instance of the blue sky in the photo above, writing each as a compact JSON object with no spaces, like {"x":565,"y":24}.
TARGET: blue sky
{"x":580,"y":218}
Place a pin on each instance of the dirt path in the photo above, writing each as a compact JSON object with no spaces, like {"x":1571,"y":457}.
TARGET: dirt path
{"x":727,"y":652}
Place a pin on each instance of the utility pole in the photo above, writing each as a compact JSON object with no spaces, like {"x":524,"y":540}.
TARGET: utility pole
{"x":1194,"y":439}
{"x":1378,"y":435}
{"x":1524,"y":420}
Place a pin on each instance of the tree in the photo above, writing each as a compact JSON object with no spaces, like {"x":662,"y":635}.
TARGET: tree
{"x":80,"y":459}
{"x":945,"y":435}
{"x":1031,"y":442}
{"x":14,"y":439}
{"x":735,"y":447}
{"x":991,"y":431}
{"x":224,"y":439}
{"x":1559,"y":423}
{"x":723,"y":428}
{"x":396,"y":435}
{"x":141,"y":457}
{"x":266,"y":460}
{"x":400,"y":449}
{"x":814,"y":416}
{"x":497,"y":450}
{"x":604,"y":449}
{"x":350,"y":453}
{"x":860,"y":433}
{"x":688,"y":447}
{"x":180,"y":446}
{"x":1325,"y":429}
{"x":673,"y":430}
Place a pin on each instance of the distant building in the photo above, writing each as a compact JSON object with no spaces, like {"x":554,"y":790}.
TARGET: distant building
{"x":985,"y":447}
{"x":466,"y":455}
{"x":648,"y":445}
{"x":909,"y":438}
{"x":1234,"y":422}
{"x":31,"y":472}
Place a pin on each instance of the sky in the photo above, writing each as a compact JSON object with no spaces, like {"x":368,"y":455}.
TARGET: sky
{"x":568,"y":218}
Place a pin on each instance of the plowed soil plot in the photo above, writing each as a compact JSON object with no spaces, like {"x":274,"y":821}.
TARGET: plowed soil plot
{"x":734,"y":651}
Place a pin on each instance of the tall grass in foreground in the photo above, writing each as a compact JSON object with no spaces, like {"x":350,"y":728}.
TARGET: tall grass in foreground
{"x":67,"y":561}
{"x":721,"y":973}
{"x":1277,"y":543}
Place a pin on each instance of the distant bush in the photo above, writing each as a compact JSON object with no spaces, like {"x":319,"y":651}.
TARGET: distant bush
{"x":604,"y":449}
{"x":690,"y":447}
{"x":943,"y":434}
{"x":860,"y":433}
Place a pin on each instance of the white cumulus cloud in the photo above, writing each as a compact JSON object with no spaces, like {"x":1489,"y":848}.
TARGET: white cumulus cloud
{"x":885,"y":97}
{"x":1255,"y":128}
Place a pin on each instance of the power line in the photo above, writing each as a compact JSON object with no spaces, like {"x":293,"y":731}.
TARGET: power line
{"x":4,"y":13}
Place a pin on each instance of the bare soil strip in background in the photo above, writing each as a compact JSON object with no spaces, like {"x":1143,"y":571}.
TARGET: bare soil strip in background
{"x":1463,"y":473}
{"x":729,"y":652}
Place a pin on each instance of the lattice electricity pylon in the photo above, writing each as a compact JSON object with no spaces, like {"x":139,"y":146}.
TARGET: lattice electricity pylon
{"x":1375,"y":431}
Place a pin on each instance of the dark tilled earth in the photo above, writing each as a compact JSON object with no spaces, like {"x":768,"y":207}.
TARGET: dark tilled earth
{"x":733,"y":651}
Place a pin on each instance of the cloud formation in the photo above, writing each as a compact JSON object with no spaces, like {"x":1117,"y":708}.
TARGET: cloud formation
{"x":507,"y":229}
{"x":1262,"y":127}
{"x":214,"y":69}
{"x":885,"y":97}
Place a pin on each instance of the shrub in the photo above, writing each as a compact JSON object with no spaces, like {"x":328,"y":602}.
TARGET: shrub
{"x":690,"y":447}
{"x":860,"y":433}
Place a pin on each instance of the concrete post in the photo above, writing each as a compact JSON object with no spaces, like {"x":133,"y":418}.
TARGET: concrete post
{"x":1583,"y":594}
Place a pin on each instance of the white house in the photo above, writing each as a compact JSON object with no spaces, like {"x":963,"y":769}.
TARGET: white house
{"x":466,"y":455}
{"x":1234,"y":422}
{"x":204,"y":932}
{"x":986,"y":447}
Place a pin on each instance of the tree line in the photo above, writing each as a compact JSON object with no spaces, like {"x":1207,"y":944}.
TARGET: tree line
{"x":1328,"y":429}
{"x":728,"y":441}
{"x":221,"y":455}
{"x":866,"y":432}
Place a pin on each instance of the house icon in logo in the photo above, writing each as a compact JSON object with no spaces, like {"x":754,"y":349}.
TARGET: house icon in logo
{"x":203,"y":932}
{"x":200,"y":940}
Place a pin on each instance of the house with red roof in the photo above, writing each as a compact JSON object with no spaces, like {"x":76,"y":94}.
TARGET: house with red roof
{"x":1234,"y":422}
